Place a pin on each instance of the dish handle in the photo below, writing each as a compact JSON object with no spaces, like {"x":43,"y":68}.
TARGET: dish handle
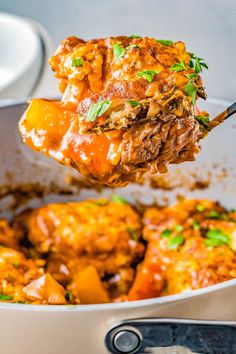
{"x":189,"y":336}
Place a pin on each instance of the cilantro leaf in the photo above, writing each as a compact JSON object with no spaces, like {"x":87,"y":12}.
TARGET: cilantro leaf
{"x":197,"y":63}
{"x":68,"y":295}
{"x":133,"y":234}
{"x":134,"y":103}
{"x":118,"y":51}
{"x":214,"y":215}
{"x":179,"y":228}
{"x":77,"y":62}
{"x":118,"y":199}
{"x":132,"y":46}
{"x":178,"y":66}
{"x":165,"y":42}
{"x":166,"y":233}
{"x":191,"y":90}
{"x":5,"y":297}
{"x":191,"y":76}
{"x":196,"y":226}
{"x":200,"y":208}
{"x":216,"y":237}
{"x":97,"y":110}
{"x":134,"y":36}
{"x":203,"y":120}
{"x":147,"y":74}
{"x":176,"y":241}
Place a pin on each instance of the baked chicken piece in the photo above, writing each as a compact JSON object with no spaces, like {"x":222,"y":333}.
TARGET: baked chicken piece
{"x":128,"y":107}
{"x":191,"y":245}
{"x":94,"y":239}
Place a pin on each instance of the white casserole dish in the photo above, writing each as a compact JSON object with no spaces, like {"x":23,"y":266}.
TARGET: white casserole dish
{"x":31,"y":329}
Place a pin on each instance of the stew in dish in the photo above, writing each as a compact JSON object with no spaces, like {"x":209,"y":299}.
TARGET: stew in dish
{"x":99,"y":251}
{"x":128,"y":106}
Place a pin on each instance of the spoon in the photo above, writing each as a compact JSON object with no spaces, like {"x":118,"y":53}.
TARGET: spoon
{"x":222,"y":117}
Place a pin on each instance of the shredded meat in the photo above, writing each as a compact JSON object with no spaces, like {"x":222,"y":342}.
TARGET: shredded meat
{"x":147,"y":120}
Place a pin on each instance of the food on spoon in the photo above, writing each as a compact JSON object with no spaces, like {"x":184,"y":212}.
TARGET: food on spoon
{"x":88,"y":252}
{"x":128,"y":107}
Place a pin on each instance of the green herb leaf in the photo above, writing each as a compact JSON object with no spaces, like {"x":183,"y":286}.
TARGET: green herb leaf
{"x":178,"y":228}
{"x":68,"y":295}
{"x":196,"y":225}
{"x":135,"y":36}
{"x":214,"y":215}
{"x":77,"y":62}
{"x":134,"y":103}
{"x":197,"y":63}
{"x":204,"y":65}
{"x":118,"y":199}
{"x":5,"y":297}
{"x":191,"y":76}
{"x":216,"y":237}
{"x":203,"y":120}
{"x":165,"y":42}
{"x":147,"y":74}
{"x":176,"y":241}
{"x":178,"y":66}
{"x":200,"y":208}
{"x":191,"y":90}
{"x":118,"y":51}
{"x":166,"y":233}
{"x":133,"y":234}
{"x":131,"y":46}
{"x":97,"y":110}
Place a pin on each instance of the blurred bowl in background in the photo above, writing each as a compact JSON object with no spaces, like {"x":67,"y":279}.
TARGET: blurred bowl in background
{"x":21,"y":57}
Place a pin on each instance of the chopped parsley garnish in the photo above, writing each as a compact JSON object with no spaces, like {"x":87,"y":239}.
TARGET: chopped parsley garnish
{"x":165,"y":42}
{"x":134,"y":36}
{"x":191,"y":76}
{"x":191,"y":90}
{"x":134,"y":103}
{"x":131,"y":46}
{"x":200,"y":208}
{"x":97,"y":110}
{"x":5,"y":297}
{"x":118,"y":199}
{"x":196,"y":226}
{"x":178,"y":66}
{"x":166,"y":233}
{"x":147,"y":74}
{"x":203,"y":120}
{"x":77,"y":62}
{"x":175,"y":242}
{"x":178,"y":228}
{"x":69,"y":296}
{"x":197,"y":63}
{"x":214,"y":215}
{"x":118,"y":51}
{"x":216,"y":237}
{"x":133,"y":234}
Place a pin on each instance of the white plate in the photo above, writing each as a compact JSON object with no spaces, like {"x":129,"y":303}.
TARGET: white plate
{"x":21,"y":56}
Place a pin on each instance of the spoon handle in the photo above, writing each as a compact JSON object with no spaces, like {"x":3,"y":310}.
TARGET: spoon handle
{"x":222,"y":117}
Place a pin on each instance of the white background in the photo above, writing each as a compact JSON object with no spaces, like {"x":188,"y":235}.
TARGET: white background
{"x":207,"y":26}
